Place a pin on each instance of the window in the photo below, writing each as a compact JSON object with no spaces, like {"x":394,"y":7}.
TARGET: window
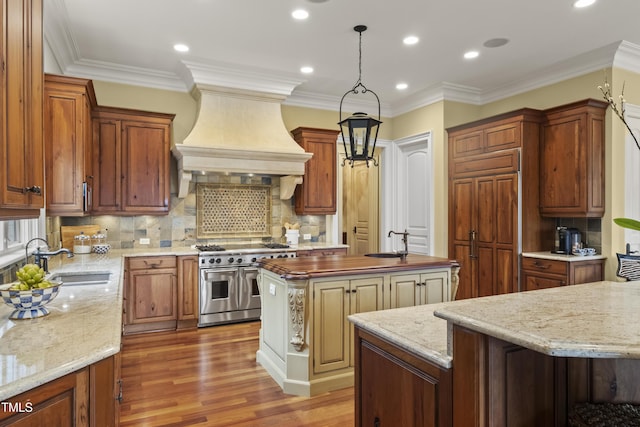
{"x":14,"y":235}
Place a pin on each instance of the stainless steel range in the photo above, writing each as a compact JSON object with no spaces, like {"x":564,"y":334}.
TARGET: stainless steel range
{"x":228,"y":281}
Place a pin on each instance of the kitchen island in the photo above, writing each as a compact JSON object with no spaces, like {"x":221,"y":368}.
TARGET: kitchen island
{"x":306,"y":341}
{"x":519,"y":359}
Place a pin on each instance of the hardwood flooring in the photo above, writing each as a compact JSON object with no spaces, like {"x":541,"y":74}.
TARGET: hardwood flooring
{"x":209,"y":377}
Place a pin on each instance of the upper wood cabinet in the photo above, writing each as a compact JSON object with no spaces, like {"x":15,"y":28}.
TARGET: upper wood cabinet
{"x":572,"y":160}
{"x":21,"y":146}
{"x":68,"y":102}
{"x":317,"y":193}
{"x":131,"y":161}
{"x":499,"y":135}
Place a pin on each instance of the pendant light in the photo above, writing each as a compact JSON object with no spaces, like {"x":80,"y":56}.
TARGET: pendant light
{"x":360,"y":129}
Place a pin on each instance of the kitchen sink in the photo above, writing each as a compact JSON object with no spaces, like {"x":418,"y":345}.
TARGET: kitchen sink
{"x":385,"y":255}
{"x":82,"y":277}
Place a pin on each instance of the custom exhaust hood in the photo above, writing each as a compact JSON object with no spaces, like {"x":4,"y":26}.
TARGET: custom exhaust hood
{"x":239,"y":130}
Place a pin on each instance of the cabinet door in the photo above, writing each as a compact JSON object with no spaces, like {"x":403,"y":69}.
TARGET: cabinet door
{"x":533,"y":281}
{"x":317,"y":193}
{"x":65,"y":118}
{"x":145,"y":166}
{"x":107,"y":166}
{"x":188,"y":288}
{"x":462,"y":212}
{"x":586,"y":271}
{"x":434,"y":287}
{"x":105,"y":391}
{"x":331,"y":341}
{"x":21,"y":144}
{"x":154,"y":296}
{"x":404,"y":290}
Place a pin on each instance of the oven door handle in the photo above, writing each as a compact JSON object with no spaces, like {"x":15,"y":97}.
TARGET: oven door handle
{"x":219,"y":270}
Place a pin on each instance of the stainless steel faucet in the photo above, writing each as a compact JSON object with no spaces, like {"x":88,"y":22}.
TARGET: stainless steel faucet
{"x":41,"y":258}
{"x":405,"y":240}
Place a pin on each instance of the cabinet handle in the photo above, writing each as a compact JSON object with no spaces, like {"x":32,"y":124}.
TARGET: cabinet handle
{"x":472,"y":244}
{"x":152,"y":264}
{"x":33,"y":189}
{"x":119,"y":396}
{"x":376,"y":422}
{"x":153,"y":307}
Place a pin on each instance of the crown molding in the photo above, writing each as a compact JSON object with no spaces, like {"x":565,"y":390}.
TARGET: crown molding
{"x":332,"y":103}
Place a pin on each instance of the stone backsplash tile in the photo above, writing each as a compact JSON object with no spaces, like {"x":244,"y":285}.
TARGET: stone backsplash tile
{"x":178,"y":227}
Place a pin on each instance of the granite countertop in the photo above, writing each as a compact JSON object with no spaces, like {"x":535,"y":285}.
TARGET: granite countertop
{"x":594,"y":320}
{"x":340,"y":265}
{"x":561,"y":257}
{"x":414,"y":329}
{"x":83,"y":327}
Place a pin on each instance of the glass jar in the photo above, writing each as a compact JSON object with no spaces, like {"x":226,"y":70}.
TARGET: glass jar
{"x":82,"y":244}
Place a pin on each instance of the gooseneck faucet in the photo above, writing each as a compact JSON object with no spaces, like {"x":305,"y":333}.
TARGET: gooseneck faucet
{"x":41,"y":258}
{"x":405,"y":240}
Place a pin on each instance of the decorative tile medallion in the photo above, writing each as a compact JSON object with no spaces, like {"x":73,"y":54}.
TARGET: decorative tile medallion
{"x":225,"y":210}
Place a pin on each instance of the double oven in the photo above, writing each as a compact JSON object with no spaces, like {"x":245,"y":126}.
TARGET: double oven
{"x":228,"y":284}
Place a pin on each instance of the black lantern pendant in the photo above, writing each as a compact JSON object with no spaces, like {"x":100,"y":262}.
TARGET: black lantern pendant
{"x":360,"y":128}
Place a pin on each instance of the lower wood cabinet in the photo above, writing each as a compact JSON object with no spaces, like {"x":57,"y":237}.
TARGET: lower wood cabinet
{"x":88,"y":397}
{"x":333,"y":301}
{"x":408,"y":290}
{"x":538,"y":273}
{"x":396,"y":388}
{"x":161,"y":293}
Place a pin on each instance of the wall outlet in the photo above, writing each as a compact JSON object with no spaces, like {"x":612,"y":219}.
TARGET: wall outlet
{"x":145,"y":241}
{"x":306,"y":237}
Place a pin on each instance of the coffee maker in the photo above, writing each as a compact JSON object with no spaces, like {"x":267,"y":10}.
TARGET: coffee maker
{"x":567,"y":239}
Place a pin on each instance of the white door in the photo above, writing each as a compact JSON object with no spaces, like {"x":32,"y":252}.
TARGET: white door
{"x":415,"y":193}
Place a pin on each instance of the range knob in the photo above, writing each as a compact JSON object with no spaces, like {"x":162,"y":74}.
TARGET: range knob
{"x":211,"y":260}
{"x":239,"y":260}
{"x":230,"y":260}
{"x":254,"y":259}
{"x":218,"y":260}
{"x":280,"y":256}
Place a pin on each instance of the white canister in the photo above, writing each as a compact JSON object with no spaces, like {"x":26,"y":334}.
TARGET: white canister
{"x":82,"y":244}
{"x":292,"y":236}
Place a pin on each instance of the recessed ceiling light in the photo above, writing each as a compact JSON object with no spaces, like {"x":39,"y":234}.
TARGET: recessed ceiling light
{"x":402,"y":86}
{"x":471,"y":54}
{"x":306,"y":70}
{"x":300,"y":14}
{"x":495,"y":42}
{"x":181,"y":47}
{"x":583,"y":3}
{"x":410,"y":40}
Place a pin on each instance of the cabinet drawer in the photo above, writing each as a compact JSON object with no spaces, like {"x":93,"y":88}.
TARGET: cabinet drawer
{"x":533,"y":282}
{"x":145,"y":263}
{"x":544,"y":265}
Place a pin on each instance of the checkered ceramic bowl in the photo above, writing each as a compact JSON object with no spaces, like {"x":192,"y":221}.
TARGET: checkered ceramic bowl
{"x":28,"y":304}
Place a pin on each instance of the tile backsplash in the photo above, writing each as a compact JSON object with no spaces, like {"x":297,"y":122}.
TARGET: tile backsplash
{"x":179,"y":227}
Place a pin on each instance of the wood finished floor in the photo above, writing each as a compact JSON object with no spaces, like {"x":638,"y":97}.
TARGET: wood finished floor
{"x":209,"y":377}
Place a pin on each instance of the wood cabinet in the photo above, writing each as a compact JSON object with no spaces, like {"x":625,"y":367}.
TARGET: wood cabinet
{"x":408,"y":290}
{"x":151,"y":289}
{"x":131,"y":161}
{"x":540,"y":273}
{"x":382,"y":370}
{"x":493,"y":200}
{"x":333,"y":301}
{"x":572,"y":160}
{"x":105,"y":392}
{"x":322,"y":252}
{"x":68,"y":102}
{"x":317,"y":193}
{"x":88,"y":397}
{"x":187,"y":291}
{"x":21,"y":144}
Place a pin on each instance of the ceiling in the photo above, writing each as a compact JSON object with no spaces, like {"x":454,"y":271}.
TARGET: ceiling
{"x":131,"y":41}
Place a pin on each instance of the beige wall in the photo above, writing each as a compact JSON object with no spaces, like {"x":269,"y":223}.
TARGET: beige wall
{"x":435,"y":118}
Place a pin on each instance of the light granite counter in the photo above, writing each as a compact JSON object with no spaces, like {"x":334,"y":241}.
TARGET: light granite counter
{"x":561,"y":257}
{"x":413,"y":329}
{"x":594,"y":320}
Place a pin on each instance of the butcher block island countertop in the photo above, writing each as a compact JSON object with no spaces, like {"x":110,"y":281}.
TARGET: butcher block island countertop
{"x":306,"y":340}
{"x":340,"y":265}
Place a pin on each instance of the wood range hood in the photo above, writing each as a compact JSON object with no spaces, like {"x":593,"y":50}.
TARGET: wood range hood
{"x":239,"y":130}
